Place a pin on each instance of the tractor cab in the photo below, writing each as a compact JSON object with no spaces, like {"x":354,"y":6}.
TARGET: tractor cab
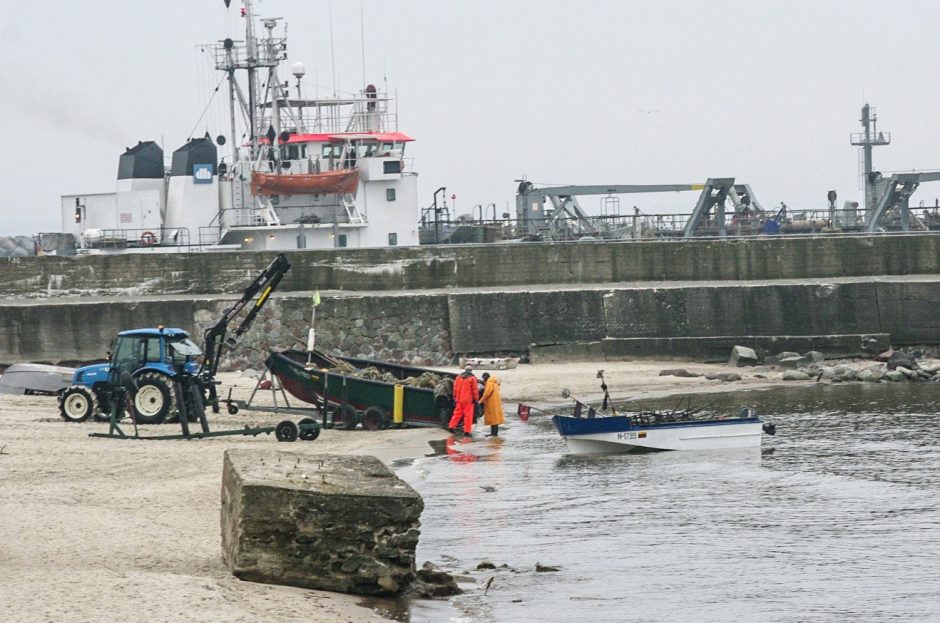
{"x":169,"y":351}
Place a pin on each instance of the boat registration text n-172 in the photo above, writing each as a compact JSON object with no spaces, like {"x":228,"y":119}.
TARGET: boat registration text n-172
{"x":634,"y":435}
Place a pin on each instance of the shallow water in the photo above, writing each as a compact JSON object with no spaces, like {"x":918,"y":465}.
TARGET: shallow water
{"x":837,"y":518}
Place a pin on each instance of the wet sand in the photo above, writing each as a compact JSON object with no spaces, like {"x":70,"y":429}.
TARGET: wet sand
{"x":102,"y":529}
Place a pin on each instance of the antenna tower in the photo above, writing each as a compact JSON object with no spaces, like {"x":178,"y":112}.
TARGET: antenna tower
{"x":871,"y":137}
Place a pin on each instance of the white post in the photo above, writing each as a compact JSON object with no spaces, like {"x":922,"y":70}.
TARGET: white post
{"x":311,"y":334}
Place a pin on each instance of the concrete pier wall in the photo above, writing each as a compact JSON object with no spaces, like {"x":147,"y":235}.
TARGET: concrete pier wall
{"x":428,"y":305}
{"x":470,"y":266}
{"x":433,"y":328}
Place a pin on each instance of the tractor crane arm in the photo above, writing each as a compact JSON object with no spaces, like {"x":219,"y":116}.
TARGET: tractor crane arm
{"x":214,"y":339}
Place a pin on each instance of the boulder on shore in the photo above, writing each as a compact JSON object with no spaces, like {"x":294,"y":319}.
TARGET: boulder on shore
{"x":726,"y":377}
{"x":681,"y":372}
{"x":742,"y":356}
{"x":901,"y":359}
{"x":432,"y":583}
{"x":814,"y":356}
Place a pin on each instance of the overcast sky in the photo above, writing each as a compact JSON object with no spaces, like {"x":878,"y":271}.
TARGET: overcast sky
{"x":563,"y":92}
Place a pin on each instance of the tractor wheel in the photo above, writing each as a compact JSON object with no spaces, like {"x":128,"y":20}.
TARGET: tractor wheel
{"x":286,"y":431}
{"x":344,"y":417}
{"x":310,"y":430}
{"x":155,"y":400}
{"x":76,"y":404}
{"x":374,"y":418}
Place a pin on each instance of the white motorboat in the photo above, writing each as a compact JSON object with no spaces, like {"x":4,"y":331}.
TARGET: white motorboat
{"x":652,"y":432}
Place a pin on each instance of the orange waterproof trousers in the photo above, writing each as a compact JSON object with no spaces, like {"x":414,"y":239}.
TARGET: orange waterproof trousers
{"x":463,"y":410}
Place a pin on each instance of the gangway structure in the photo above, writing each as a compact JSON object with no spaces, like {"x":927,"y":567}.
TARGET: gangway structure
{"x":535,"y":218}
{"x":564,"y":217}
{"x":895,"y":201}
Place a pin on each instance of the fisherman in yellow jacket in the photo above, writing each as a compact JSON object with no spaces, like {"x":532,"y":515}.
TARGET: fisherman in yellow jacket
{"x":492,"y":405}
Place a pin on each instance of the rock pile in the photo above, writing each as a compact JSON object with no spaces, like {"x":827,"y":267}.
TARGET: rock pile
{"x":893,"y":366}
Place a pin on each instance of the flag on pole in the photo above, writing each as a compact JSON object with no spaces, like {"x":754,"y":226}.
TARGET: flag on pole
{"x":316,"y":298}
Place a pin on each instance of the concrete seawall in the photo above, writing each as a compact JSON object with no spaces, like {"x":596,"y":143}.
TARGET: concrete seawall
{"x":469,"y":266}
{"x":435,"y":326}
{"x":428,"y":305}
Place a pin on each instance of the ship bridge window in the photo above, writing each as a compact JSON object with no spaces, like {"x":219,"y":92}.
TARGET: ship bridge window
{"x":295,"y":152}
{"x":391,"y":166}
{"x":332,"y":150}
{"x":390,"y":194}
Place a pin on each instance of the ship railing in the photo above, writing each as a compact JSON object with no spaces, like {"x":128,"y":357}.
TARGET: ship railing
{"x":288,"y":215}
{"x":237,"y":57}
{"x":135,"y":238}
{"x":640,"y":225}
{"x":356,"y":113}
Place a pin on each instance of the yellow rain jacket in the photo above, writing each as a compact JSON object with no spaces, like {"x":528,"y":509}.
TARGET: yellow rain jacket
{"x":492,"y":405}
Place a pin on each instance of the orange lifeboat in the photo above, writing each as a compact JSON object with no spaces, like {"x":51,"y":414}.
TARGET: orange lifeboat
{"x":339,"y":181}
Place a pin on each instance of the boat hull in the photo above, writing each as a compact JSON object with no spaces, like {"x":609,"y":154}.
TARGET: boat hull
{"x":616,"y":435}
{"x":340,"y":181}
{"x":316,"y":383}
{"x":35,"y":378}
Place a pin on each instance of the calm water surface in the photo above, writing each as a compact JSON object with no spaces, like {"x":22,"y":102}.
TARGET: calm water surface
{"x":837,"y":518}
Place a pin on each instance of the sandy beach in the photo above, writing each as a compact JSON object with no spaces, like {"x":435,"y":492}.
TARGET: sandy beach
{"x":101,"y":529}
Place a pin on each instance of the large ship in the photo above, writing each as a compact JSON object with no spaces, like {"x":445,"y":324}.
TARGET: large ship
{"x":299,"y":172}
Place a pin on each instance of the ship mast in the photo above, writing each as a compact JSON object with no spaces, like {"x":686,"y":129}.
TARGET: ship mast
{"x":252,"y":67}
{"x":251,"y":55}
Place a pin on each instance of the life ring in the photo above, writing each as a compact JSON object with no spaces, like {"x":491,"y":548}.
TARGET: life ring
{"x":148,"y":238}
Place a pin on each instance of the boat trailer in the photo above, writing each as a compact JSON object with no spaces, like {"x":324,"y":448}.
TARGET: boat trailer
{"x":306,"y":429}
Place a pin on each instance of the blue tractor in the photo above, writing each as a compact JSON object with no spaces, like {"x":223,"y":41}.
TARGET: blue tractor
{"x":151,"y":361}
{"x":163,"y":373}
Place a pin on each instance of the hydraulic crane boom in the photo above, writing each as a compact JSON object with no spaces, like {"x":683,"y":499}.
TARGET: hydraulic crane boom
{"x":214,"y":338}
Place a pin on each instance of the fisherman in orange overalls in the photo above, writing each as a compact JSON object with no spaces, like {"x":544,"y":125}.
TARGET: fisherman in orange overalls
{"x":466,"y":395}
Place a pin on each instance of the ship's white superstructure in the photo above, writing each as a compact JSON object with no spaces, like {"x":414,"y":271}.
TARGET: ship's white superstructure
{"x":307,"y":173}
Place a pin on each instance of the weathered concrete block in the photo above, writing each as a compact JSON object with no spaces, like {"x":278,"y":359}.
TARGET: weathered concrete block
{"x":792,"y":362}
{"x":742,"y":356}
{"x":814,"y":356}
{"x":330,"y":522}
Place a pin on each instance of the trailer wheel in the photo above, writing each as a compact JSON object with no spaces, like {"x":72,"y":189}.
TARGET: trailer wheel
{"x":155,"y":399}
{"x":375,"y":418}
{"x":345,"y":417}
{"x":309,"y":430}
{"x":232,"y":409}
{"x":76,"y":404}
{"x":286,"y":431}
